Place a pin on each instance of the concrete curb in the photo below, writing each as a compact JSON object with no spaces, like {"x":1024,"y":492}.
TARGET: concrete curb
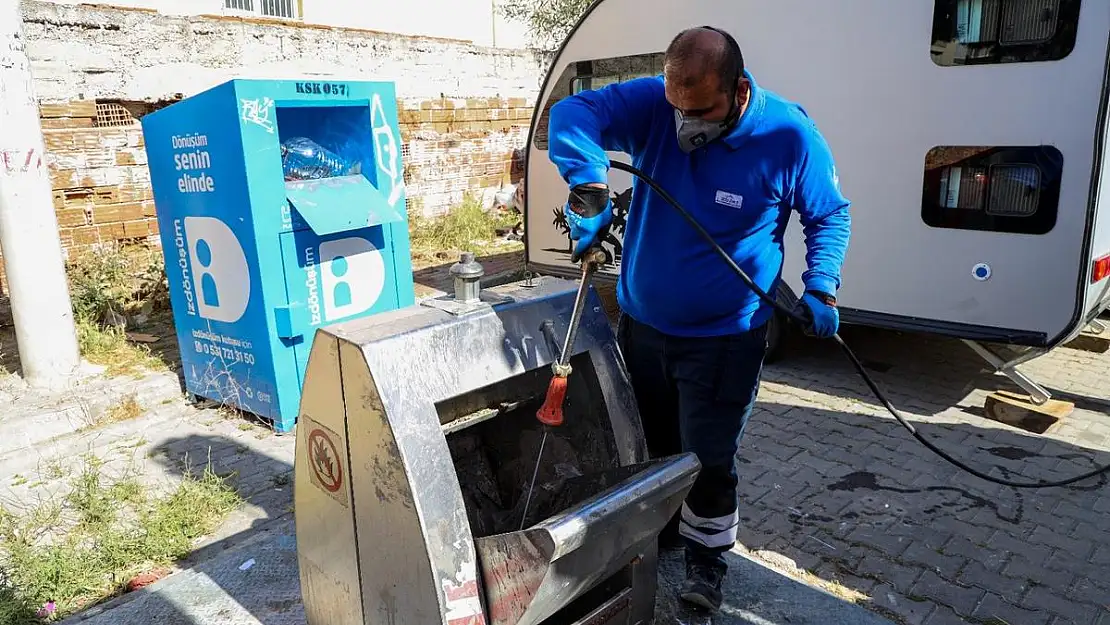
{"x":39,"y":417}
{"x":25,"y":460}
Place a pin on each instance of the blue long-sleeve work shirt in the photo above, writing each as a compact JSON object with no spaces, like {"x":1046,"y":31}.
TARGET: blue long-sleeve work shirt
{"x":741,"y":188}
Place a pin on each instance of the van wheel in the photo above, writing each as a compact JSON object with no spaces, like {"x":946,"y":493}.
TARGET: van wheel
{"x":775,"y":329}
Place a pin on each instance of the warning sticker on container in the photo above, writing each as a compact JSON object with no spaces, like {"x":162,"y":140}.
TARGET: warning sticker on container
{"x":324,"y":459}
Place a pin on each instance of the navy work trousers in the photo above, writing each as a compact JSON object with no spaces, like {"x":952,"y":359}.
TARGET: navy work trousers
{"x":696,"y":395}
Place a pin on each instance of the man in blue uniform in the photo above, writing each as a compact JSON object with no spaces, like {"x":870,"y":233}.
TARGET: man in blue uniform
{"x":740,"y":158}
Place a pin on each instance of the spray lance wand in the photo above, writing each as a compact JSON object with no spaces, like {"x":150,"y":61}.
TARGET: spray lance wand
{"x":550,"y":413}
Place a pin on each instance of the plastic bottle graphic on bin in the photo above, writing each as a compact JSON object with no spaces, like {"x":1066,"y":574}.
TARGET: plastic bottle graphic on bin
{"x":281,"y":209}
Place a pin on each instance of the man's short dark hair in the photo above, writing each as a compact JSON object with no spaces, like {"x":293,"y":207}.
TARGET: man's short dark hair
{"x":700,"y":54}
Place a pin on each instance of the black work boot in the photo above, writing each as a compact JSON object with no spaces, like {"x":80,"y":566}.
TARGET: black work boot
{"x":703,"y":586}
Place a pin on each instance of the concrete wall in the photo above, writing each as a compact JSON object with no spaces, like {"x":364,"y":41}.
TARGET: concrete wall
{"x":168,"y":7}
{"x":477,"y":21}
{"x":464,"y":108}
{"x":474,"y":20}
{"x":86,"y":52}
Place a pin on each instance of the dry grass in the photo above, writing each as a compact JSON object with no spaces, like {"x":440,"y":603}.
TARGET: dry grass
{"x":110,"y":348}
{"x":108,"y":287}
{"x":832,"y":587}
{"x":83,"y":548}
{"x":787,"y":567}
{"x":466,"y":228}
{"x":124,"y":409}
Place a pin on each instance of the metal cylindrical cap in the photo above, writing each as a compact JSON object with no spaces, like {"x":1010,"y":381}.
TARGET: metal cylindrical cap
{"x":467,"y":274}
{"x":467,"y":267}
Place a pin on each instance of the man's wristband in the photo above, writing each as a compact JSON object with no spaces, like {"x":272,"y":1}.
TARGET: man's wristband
{"x":588,"y":201}
{"x":825,"y":298}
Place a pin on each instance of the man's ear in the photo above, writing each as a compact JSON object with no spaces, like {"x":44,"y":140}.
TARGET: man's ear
{"x":743,"y":91}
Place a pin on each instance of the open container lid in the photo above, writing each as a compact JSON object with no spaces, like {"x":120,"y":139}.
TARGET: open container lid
{"x":340,"y":204}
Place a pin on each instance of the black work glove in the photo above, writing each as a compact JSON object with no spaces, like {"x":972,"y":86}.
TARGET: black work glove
{"x":819,"y":311}
{"x":589,"y":213}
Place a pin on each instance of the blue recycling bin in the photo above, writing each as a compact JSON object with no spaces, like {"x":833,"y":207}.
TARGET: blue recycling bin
{"x":261,"y":250}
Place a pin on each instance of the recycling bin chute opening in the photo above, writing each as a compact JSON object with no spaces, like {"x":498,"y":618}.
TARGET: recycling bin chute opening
{"x":281,"y":208}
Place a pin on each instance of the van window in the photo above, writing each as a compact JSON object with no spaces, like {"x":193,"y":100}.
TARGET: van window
{"x":588,"y":75}
{"x":983,"y":32}
{"x":999,"y":189}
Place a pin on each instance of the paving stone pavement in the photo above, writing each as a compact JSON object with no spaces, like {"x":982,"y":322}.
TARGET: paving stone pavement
{"x":827,"y":479}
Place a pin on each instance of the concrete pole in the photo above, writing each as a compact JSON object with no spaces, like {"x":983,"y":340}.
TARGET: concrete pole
{"x":493,"y":22}
{"x":32,"y":252}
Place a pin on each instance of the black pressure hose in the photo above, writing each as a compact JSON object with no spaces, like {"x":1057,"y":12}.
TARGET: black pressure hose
{"x":847,"y":350}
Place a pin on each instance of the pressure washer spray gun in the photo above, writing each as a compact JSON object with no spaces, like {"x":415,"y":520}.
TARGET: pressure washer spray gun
{"x":550,"y":413}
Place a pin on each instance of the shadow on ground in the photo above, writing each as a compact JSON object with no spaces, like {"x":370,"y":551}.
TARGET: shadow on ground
{"x":857,"y":499}
{"x":208,"y":590}
{"x":160,"y":327}
{"x":265,"y":483}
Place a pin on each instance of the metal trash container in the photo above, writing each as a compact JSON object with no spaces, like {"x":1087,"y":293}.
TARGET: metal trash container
{"x":261,"y":248}
{"x":417,"y":440}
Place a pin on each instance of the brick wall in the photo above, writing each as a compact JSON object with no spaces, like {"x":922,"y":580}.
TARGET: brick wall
{"x":98,"y":174}
{"x":458,"y":146}
{"x":101,"y":184}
